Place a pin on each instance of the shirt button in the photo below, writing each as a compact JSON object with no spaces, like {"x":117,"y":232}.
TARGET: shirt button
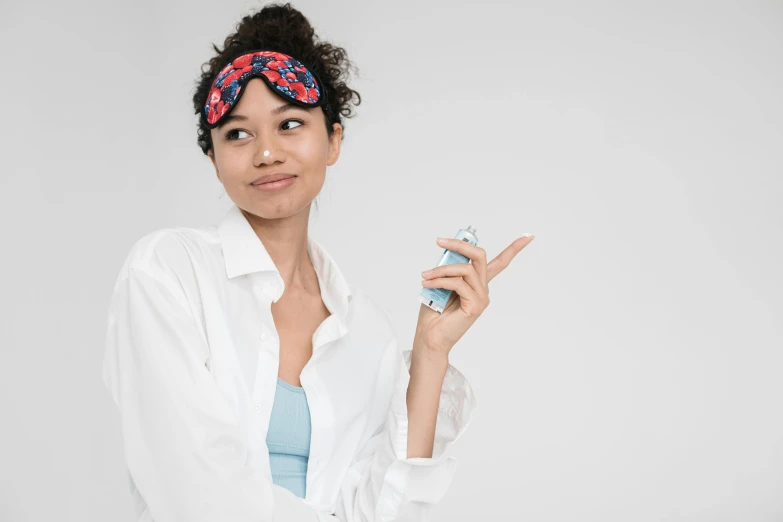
{"x":257,"y":405}
{"x":264,"y":336}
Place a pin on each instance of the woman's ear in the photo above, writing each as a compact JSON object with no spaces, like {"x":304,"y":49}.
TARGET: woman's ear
{"x":335,"y":140}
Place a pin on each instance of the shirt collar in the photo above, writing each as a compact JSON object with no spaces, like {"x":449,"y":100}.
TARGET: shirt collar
{"x":244,"y":253}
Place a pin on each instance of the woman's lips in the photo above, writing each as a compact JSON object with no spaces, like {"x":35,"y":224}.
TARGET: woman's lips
{"x":275,"y":185}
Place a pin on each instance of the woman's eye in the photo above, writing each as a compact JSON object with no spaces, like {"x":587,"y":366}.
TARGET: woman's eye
{"x":230,"y":133}
{"x":293,"y":121}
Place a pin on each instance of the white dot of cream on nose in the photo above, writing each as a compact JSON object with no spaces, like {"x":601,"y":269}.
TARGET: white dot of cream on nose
{"x":266,"y":153}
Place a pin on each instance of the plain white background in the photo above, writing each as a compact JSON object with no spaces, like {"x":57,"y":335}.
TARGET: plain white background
{"x":629,"y":366}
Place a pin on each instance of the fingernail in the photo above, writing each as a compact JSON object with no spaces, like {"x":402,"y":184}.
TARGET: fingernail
{"x":426,"y":273}
{"x":528,"y":234}
{"x":441,"y":241}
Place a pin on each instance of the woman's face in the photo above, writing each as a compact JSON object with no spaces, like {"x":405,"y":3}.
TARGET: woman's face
{"x":297,"y":142}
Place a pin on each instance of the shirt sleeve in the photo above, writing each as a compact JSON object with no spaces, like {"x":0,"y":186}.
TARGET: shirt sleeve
{"x":382,"y":484}
{"x":182,"y":442}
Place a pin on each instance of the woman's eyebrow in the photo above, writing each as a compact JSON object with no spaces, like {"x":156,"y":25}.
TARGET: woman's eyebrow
{"x":285,"y":107}
{"x":241,"y":117}
{"x":229,"y":118}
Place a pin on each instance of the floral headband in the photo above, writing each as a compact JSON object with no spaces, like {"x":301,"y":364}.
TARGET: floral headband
{"x":284,"y":74}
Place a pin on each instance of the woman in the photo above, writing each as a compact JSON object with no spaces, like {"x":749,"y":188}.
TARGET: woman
{"x":253,"y":382}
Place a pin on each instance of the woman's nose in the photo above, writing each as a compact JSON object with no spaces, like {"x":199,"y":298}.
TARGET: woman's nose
{"x":267,"y":151}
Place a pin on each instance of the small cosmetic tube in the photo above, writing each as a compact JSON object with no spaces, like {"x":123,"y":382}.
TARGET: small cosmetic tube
{"x":436,"y":298}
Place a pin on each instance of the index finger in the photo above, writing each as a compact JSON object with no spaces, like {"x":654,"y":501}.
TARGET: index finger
{"x":504,"y":258}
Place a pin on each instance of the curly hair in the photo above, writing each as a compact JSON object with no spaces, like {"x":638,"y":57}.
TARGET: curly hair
{"x":284,"y":29}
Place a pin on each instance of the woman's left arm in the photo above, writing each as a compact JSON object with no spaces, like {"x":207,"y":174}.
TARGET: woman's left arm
{"x":436,"y":333}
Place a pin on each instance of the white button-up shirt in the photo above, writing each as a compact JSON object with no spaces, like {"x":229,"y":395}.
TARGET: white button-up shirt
{"x":191,"y":361}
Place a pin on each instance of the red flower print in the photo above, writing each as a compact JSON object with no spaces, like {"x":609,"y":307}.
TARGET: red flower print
{"x":231,"y":77}
{"x":272,"y":75}
{"x":243,"y":61}
{"x":299,"y":89}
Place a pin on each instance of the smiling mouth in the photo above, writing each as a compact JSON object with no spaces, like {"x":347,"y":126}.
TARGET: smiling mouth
{"x":274,"y":181}
{"x":274,"y":185}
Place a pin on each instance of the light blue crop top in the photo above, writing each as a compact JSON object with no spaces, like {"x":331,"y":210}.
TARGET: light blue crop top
{"x":288,"y":437}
